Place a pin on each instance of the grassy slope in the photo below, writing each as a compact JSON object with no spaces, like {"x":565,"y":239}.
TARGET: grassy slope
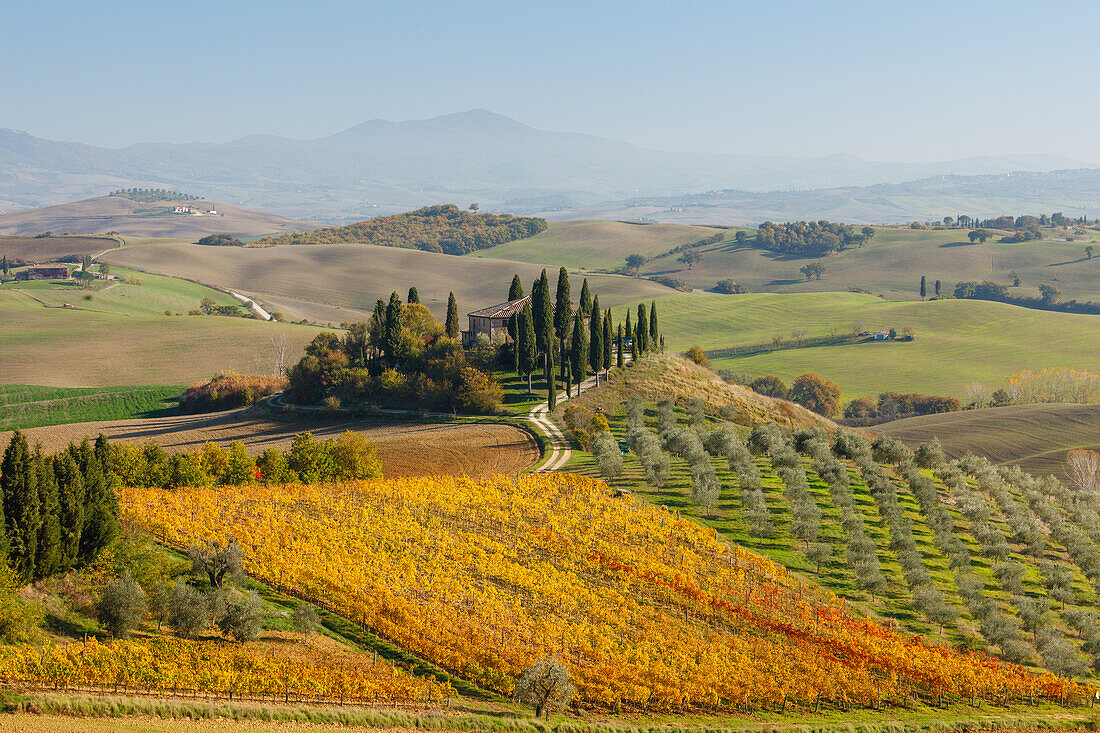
{"x":594,"y":245}
{"x":892,"y":263}
{"x":958,"y":341}
{"x":340,"y":282}
{"x":1037,"y":437}
{"x":122,"y":337}
{"x":26,"y":406}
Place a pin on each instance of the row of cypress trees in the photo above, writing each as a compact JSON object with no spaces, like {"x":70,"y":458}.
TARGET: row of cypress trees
{"x":60,"y":510}
{"x":547,"y":334}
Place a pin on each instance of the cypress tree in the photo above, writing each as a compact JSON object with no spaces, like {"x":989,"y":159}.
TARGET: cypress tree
{"x":923,"y":288}
{"x":619,"y":360}
{"x":5,"y":265}
{"x":19,"y":481}
{"x":100,"y":503}
{"x":526,"y":353}
{"x":414,"y":297}
{"x":515,"y":292}
{"x":542,"y":313}
{"x":937,"y":287}
{"x":606,"y":340}
{"x":563,"y":310}
{"x":551,"y":387}
{"x":70,"y":510}
{"x":453,"y":330}
{"x":653,"y":332}
{"x":47,"y":557}
{"x":642,"y":329}
{"x":578,"y":353}
{"x":586,"y":299}
{"x":391,"y":335}
{"x":595,"y":339}
{"x":629,"y":331}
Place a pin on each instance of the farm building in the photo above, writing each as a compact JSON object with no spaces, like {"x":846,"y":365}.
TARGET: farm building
{"x":493,"y":321}
{"x":44,"y":272}
{"x":882,"y":335}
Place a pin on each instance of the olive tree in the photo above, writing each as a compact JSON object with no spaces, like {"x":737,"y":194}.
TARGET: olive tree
{"x":122,"y":606}
{"x":545,"y":686}
{"x":216,"y":561}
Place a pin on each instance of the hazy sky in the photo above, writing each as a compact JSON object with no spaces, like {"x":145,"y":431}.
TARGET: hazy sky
{"x":919,"y":80}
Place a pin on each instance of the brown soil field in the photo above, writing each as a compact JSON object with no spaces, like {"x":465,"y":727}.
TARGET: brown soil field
{"x":135,"y":218}
{"x":45,"y":249}
{"x":406,"y":448}
{"x":331,"y":283}
{"x":1036,"y":437}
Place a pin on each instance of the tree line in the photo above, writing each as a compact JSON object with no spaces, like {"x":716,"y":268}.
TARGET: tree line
{"x":444,"y":228}
{"x":151,"y":195}
{"x":809,"y":238}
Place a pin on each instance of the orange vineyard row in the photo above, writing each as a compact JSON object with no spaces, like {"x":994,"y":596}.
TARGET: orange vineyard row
{"x":485,"y":576}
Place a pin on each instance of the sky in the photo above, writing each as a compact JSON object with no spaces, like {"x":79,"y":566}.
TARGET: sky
{"x":914,"y":81}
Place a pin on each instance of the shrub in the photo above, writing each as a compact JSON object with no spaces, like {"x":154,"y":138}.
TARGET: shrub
{"x":311,"y":459}
{"x":188,"y":609}
{"x":697,"y":355}
{"x":479,"y":393}
{"x":729,"y":287}
{"x":228,"y":391}
{"x":354,"y":457}
{"x":770,"y":386}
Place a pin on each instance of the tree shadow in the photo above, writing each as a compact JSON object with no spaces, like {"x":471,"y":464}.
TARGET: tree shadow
{"x":959,"y":244}
{"x":790,"y":281}
{"x":1069,"y":262}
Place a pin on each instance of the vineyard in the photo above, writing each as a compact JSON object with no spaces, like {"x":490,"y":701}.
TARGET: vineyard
{"x":210,"y":669}
{"x":648,"y":611}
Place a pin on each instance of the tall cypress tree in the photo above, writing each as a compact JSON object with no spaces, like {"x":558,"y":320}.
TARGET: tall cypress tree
{"x":586,"y":299}
{"x":5,"y":265}
{"x":391,"y":336}
{"x":563,"y":311}
{"x":100,"y":502}
{"x":19,"y":481}
{"x":607,"y":340}
{"x":453,"y":330}
{"x":70,"y":510}
{"x":578,"y":351}
{"x":595,"y":338}
{"x":630,"y":331}
{"x":414,"y":297}
{"x":542,"y":313}
{"x":527,"y":354}
{"x":653,"y":332}
{"x":515,"y":292}
{"x":551,"y":387}
{"x":642,"y":336}
{"x":619,"y":360}
{"x":47,"y":557}
{"x":923,"y":287}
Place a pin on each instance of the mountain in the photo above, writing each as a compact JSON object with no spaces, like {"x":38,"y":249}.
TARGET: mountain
{"x":134,"y":218}
{"x":382,"y":167}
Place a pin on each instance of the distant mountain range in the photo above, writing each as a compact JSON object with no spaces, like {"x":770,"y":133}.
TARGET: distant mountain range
{"x":382,"y":167}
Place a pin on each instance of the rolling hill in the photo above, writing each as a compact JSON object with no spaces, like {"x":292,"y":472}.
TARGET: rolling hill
{"x":340,"y":282}
{"x":1035,"y":437}
{"x":958,"y":341}
{"x":892,"y":263}
{"x":137,"y":219}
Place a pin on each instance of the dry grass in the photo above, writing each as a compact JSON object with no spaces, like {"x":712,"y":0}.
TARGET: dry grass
{"x":660,"y":376}
{"x":406,"y":449}
{"x":34,"y":249}
{"x":332,"y":283}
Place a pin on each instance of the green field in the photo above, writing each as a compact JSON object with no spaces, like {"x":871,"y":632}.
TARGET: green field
{"x":892,"y":263}
{"x":120,"y":335}
{"x":1037,"y":437}
{"x":598,"y":245}
{"x":958,"y":341}
{"x":27,"y":406}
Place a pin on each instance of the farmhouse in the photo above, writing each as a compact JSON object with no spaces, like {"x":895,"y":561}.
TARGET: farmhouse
{"x":44,"y":272}
{"x":493,"y":321}
{"x":882,"y":335}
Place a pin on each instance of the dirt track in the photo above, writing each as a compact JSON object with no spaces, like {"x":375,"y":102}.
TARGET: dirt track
{"x":406,"y":448}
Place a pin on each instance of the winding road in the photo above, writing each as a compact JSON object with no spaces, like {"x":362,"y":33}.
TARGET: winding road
{"x":560,"y":450}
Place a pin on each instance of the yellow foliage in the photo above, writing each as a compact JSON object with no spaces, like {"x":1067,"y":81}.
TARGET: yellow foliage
{"x":485,"y":576}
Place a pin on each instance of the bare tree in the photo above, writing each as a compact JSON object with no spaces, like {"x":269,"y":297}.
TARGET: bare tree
{"x":1083,"y":468}
{"x":977,"y":393}
{"x":545,"y":686}
{"x":280,"y":351}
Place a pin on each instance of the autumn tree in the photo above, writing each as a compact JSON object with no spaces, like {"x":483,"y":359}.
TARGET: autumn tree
{"x":816,"y":394}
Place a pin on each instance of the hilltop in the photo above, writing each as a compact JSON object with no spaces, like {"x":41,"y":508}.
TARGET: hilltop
{"x":128,"y":217}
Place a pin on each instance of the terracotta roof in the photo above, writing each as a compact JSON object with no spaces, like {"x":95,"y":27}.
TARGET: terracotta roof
{"x":505,"y":310}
